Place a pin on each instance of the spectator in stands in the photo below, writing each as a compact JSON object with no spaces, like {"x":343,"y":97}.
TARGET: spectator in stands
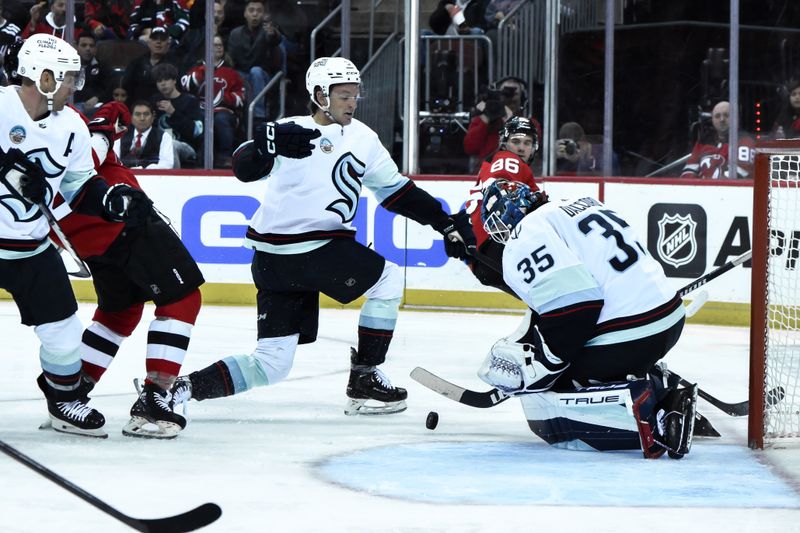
{"x":137,"y":78}
{"x":787,"y":125}
{"x":178,"y":112}
{"x":146,"y":145}
{"x":108,"y":19}
{"x":229,"y":101}
{"x":51,"y":20}
{"x":9,"y":34}
{"x":168,"y":14}
{"x":709,"y":157}
{"x":506,"y":99}
{"x":454,"y":17}
{"x":574,"y":153}
{"x":192,"y":49}
{"x":95,"y":90}
{"x":119,"y":93}
{"x":255,"y":51}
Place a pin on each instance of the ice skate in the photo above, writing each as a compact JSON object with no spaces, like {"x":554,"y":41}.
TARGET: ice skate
{"x":373,"y":385}
{"x":181,"y":392}
{"x":152,"y":417}
{"x":69,"y":412}
{"x":676,"y":419}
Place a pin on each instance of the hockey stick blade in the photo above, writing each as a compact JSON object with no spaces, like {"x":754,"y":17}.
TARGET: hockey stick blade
{"x":458,"y":394}
{"x":188,"y":521}
{"x":773,"y":397}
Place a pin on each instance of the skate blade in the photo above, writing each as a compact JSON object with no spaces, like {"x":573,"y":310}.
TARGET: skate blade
{"x":144,"y":429}
{"x":360,"y":407}
{"x":64,"y":427}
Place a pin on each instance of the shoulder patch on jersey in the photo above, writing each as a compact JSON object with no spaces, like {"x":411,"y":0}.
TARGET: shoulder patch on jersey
{"x":17,"y":134}
{"x":326,"y":145}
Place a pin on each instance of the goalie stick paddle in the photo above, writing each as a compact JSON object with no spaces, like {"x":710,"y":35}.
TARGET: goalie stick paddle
{"x":188,"y":521}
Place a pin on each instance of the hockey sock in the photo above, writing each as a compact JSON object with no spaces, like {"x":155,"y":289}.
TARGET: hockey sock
{"x":168,"y":339}
{"x":102,"y":339}
{"x":59,"y":353}
{"x":375,"y":329}
{"x":98,"y":348}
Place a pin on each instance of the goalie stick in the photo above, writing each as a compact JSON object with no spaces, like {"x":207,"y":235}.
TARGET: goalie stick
{"x":188,"y":521}
{"x":493,"y":397}
{"x":703,"y":427}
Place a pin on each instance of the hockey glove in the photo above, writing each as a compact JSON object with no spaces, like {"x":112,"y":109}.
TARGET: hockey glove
{"x":123,"y":203}
{"x":286,"y":139}
{"x":520,"y":368}
{"x":112,"y":119}
{"x":29,"y":176}
{"x":459,"y":240}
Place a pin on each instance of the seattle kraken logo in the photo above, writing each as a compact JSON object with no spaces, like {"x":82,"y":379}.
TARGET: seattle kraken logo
{"x":20,"y":208}
{"x":346,"y":176}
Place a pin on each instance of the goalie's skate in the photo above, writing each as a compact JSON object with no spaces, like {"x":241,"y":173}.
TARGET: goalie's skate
{"x":676,"y":419}
{"x":152,"y":417}
{"x":373,"y":387}
{"x":71,"y":415}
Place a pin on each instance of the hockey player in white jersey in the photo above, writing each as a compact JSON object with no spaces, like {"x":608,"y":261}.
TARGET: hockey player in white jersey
{"x":44,"y":151}
{"x":605,"y":317}
{"x":315,"y":167}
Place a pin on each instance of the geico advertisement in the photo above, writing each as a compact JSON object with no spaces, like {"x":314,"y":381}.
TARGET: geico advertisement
{"x":689,"y":229}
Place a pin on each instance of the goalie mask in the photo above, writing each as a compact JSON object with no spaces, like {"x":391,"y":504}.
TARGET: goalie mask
{"x":519,"y":127}
{"x":41,"y":52}
{"x":505,"y":204}
{"x":326,"y":72}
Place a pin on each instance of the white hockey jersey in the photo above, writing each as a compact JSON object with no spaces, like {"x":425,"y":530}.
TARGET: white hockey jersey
{"x":310,"y":200}
{"x":572,"y":251}
{"x":60,"y":142}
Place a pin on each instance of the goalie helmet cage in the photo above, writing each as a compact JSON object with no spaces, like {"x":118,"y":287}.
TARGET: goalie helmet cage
{"x":775,"y":293}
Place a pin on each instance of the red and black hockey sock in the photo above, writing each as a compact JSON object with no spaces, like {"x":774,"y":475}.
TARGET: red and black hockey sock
{"x":168,"y":339}
{"x":101,"y":340}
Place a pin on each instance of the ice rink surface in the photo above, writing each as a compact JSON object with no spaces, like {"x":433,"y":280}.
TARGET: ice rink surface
{"x":286,"y":458}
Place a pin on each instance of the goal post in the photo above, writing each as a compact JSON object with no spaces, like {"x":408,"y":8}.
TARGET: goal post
{"x":775,"y":294}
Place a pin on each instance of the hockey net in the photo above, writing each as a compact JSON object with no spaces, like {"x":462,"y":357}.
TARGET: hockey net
{"x":775,"y":297}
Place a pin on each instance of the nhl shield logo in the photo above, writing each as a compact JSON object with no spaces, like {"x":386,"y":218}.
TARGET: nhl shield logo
{"x":677,"y":244}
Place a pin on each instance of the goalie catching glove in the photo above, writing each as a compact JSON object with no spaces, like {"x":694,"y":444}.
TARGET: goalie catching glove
{"x":520,"y":368}
{"x":284,"y":138}
{"x":123,"y":203}
{"x":459,"y":240}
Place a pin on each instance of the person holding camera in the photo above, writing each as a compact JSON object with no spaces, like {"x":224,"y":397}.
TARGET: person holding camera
{"x":573,"y":151}
{"x":709,"y":157}
{"x":505,"y":99}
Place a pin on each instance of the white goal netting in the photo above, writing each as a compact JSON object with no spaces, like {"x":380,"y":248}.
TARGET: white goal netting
{"x":782,"y":298}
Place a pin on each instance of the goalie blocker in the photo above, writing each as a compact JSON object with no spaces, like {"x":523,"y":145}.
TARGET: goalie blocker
{"x":634,"y":415}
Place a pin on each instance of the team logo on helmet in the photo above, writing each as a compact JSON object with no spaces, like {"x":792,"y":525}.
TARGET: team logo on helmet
{"x":677,"y":244}
{"x":17,"y":134}
{"x":326,"y":145}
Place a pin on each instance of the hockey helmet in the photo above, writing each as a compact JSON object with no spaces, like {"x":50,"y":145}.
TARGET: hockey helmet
{"x":328,"y":71}
{"x":519,"y":126}
{"x":505,"y":204}
{"x":42,"y":52}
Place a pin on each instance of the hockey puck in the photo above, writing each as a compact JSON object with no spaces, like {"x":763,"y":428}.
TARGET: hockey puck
{"x":432,"y":420}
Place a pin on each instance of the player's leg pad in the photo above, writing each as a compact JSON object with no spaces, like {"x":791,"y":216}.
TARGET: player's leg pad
{"x":152,"y":416}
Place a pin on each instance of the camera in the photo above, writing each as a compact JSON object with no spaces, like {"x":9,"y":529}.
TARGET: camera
{"x":570,"y":146}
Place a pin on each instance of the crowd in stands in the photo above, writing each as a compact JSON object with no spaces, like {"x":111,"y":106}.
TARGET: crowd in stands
{"x":162,"y":44}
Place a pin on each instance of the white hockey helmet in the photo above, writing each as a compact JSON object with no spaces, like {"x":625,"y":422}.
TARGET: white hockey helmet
{"x":327,"y":71}
{"x":42,"y":52}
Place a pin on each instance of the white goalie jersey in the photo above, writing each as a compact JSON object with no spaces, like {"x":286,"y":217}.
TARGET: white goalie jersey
{"x":60,"y":142}
{"x":568,"y":252}
{"x":310,"y":200}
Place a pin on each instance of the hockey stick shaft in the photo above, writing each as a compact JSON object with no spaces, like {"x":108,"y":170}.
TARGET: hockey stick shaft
{"x":194,"y":519}
{"x":702,"y":280}
{"x":83,"y":270}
